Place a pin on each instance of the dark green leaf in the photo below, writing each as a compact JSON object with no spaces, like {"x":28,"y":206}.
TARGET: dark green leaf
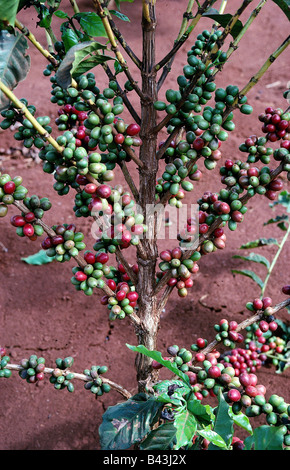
{"x":284,"y":5}
{"x":255,"y":258}
{"x":91,"y":24}
{"x":156,"y":355}
{"x":127,"y":423}
{"x":278,"y":218}
{"x":14,"y":63}
{"x":74,"y":57}
{"x":45,"y":17}
{"x":118,"y":68}
{"x":160,"y":438}
{"x":119,"y":15}
{"x":265,"y":438}
{"x":251,"y":274}
{"x":87,"y":64}
{"x":176,"y":398}
{"x":8,"y":10}
{"x":70,"y":39}
{"x":61,"y":14}
{"x":223,"y":20}
{"x":259,"y":242}
{"x":186,"y":426}
{"x":38,"y":258}
{"x":202,"y":413}
{"x":223,"y":425}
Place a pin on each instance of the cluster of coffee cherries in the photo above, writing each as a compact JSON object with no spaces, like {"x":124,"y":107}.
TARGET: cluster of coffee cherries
{"x":90,"y":277}
{"x":124,"y":226}
{"x":60,"y":377}
{"x":95,"y":383}
{"x":124,"y":300}
{"x":65,"y":244}
{"x":27,"y":224}
{"x":4,"y":360}
{"x":32,"y":369}
{"x":283,"y":155}
{"x":25,"y":131}
{"x":181,"y":357}
{"x":257,"y":149}
{"x":11,"y":189}
{"x":180,"y":269}
{"x":276,"y":124}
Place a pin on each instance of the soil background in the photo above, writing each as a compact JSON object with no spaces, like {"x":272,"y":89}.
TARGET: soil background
{"x":41,"y":313}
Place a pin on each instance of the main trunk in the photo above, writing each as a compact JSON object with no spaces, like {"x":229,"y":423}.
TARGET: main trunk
{"x":147,"y":335}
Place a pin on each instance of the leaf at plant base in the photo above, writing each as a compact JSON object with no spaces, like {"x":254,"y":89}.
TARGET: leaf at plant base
{"x":91,"y":23}
{"x":73,"y":57}
{"x":8,"y":10}
{"x":38,"y":258}
{"x":259,"y":242}
{"x":223,"y":20}
{"x":186,"y":426}
{"x":14,"y":62}
{"x":241,"y":420}
{"x":127,"y":423}
{"x":251,"y":274}
{"x":156,"y":355}
{"x":255,"y":258}
{"x":285,"y":6}
{"x":223,"y":424}
{"x":265,"y":438}
{"x":160,"y":438}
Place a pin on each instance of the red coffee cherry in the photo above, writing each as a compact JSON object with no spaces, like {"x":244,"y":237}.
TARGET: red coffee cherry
{"x":234,"y":395}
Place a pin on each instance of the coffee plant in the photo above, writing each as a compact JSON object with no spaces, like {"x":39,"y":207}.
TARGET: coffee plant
{"x":81,"y":149}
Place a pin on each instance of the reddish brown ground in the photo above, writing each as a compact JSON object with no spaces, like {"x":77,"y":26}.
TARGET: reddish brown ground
{"x":42,"y":313}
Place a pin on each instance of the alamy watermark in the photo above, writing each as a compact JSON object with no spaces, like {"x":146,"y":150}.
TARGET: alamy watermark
{"x":130,"y":224}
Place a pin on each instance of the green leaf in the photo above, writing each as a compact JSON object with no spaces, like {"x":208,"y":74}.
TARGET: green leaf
{"x":259,"y":242}
{"x":160,"y":438}
{"x":176,"y":398}
{"x":255,"y":258}
{"x":118,"y":67}
{"x":87,"y":64}
{"x":265,"y":438}
{"x":127,"y":423}
{"x":14,"y":62}
{"x":241,"y":420}
{"x":284,"y":5}
{"x":186,"y":425}
{"x":223,"y":425}
{"x":70,"y":39}
{"x":119,"y":15}
{"x":223,"y":20}
{"x":216,"y":441}
{"x":156,"y":355}
{"x":202,"y":413}
{"x":278,"y":218}
{"x":91,"y":24}
{"x":283,"y":200}
{"x":8,"y":10}
{"x":73,"y":60}
{"x":45,"y":15}
{"x":61,"y":14}
{"x":251,"y":274}
{"x":38,"y":258}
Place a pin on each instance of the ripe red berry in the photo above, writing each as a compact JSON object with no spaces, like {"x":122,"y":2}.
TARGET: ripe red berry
{"x":133,"y":129}
{"x":17,"y":221}
{"x":9,"y":187}
{"x":286,"y":290}
{"x":80,"y":276}
{"x":234,"y":395}
{"x":214,"y":372}
{"x":28,"y":230}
